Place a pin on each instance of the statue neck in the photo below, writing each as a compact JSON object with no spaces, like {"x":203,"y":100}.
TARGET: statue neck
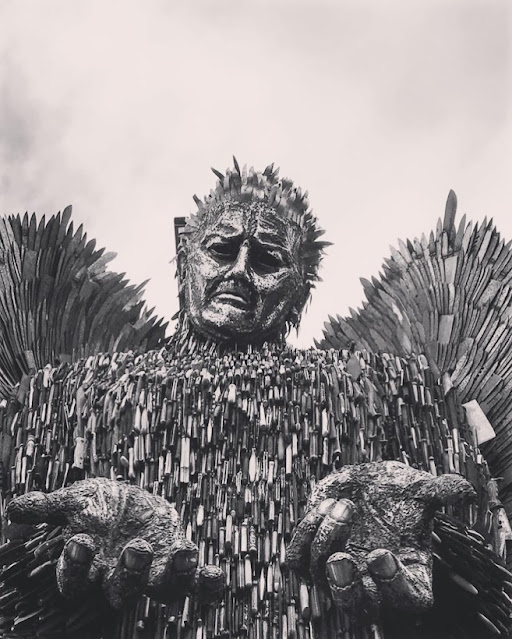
{"x":187,"y":339}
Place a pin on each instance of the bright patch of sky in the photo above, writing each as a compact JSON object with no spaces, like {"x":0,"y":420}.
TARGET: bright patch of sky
{"x":376,"y":108}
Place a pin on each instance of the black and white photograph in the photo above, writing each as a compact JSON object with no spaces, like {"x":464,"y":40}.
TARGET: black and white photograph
{"x":255,"y":319}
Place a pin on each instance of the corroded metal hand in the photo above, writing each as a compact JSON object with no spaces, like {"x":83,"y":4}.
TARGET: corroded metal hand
{"x":122,"y":538}
{"x":367,"y":535}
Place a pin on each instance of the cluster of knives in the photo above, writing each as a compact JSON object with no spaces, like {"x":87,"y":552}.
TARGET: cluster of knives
{"x":237,"y":439}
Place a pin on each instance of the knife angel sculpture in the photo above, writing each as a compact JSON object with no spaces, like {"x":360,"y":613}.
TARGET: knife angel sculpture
{"x":435,"y":328}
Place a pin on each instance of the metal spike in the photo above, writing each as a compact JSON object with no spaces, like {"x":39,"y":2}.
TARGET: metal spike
{"x":218,"y":173}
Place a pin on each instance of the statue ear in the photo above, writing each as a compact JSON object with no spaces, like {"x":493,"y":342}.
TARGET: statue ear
{"x":296,"y":311}
{"x":448,"y":489}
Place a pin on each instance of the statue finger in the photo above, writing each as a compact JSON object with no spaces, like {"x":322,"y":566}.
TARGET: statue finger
{"x":210,"y":583}
{"x":331,"y":536}
{"x":183,"y":557}
{"x":407,"y":588}
{"x":36,"y":508}
{"x":298,"y":552}
{"x":65,"y":504}
{"x":175,"y":575}
{"x":345,"y":582}
{"x":451,"y":488}
{"x":128,"y":580}
{"x":74,"y":565}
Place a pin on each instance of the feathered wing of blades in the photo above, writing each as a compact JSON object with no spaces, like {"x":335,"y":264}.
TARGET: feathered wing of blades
{"x":448,"y":296}
{"x":471,"y":589}
{"x":59,"y":301}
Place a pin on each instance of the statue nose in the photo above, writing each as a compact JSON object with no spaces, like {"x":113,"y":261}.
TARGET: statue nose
{"x":241,"y":265}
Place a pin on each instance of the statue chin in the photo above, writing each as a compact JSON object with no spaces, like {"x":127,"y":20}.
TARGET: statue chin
{"x":228,"y":321}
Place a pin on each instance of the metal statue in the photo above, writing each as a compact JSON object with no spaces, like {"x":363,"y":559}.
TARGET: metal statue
{"x":228,"y":485}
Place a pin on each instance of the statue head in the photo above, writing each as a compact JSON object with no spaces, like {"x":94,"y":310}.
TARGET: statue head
{"x":249,"y":257}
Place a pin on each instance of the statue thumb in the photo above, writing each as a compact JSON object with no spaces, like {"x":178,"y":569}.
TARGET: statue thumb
{"x":449,"y":489}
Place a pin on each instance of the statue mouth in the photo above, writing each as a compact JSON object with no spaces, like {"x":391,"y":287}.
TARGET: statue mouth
{"x":238,"y":299}
{"x":233,"y":294}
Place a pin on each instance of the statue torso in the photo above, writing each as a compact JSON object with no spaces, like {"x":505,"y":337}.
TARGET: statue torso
{"x":237,"y":441}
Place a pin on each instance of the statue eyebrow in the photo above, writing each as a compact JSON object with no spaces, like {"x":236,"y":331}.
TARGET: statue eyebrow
{"x":224,"y":231}
{"x":271,"y":238}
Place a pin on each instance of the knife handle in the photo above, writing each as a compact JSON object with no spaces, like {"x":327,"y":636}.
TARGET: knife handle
{"x":78,"y":461}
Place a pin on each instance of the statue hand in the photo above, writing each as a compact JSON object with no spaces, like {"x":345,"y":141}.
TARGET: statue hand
{"x":367,"y":535}
{"x":120,"y":538}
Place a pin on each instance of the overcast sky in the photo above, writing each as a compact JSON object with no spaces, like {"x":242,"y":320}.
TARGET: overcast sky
{"x":377,"y":108}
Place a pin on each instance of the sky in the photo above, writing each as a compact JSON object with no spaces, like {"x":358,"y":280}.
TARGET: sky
{"x":378,"y":109}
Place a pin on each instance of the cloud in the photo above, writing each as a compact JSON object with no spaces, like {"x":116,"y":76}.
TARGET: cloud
{"x":377,"y":108}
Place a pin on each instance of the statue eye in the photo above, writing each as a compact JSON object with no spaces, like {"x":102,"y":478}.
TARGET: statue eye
{"x":267,"y":260}
{"x":226,"y":251}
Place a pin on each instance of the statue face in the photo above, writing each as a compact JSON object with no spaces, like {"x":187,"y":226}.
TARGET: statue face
{"x":243,"y":273}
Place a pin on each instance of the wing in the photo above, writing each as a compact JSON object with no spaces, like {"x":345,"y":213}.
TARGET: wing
{"x":470,"y":590}
{"x":470,"y":585}
{"x":31,"y":605}
{"x":448,"y":296}
{"x":59,"y":301}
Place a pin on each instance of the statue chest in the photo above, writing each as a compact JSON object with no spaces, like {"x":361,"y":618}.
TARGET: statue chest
{"x":237,"y":442}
